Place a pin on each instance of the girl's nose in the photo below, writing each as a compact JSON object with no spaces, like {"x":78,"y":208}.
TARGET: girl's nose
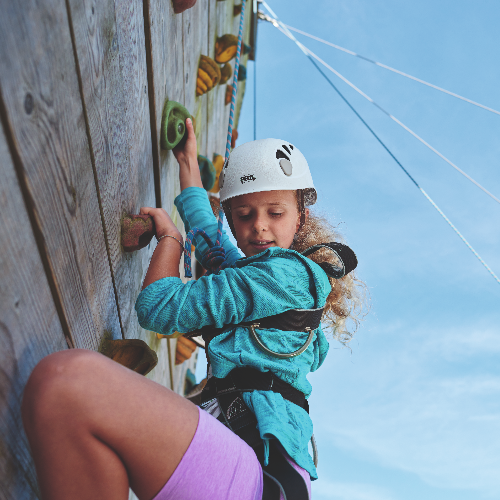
{"x":259,"y":224}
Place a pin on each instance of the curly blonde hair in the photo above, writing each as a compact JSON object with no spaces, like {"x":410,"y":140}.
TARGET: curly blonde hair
{"x":346,"y":304}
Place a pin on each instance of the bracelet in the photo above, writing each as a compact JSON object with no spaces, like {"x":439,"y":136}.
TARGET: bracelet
{"x":170,"y":236}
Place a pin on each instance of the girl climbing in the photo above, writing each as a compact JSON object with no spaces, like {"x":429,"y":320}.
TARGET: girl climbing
{"x":96,"y":428}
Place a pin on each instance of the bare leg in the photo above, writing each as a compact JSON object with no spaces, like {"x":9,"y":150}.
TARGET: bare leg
{"x":96,"y":427}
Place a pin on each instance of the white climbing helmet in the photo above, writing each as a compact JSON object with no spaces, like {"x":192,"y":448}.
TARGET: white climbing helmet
{"x":266,"y":165}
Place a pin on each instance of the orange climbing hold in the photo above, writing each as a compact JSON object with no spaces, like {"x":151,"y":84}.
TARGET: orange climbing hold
{"x":132,"y":353}
{"x":225,"y":73}
{"x":184,"y":350}
{"x":229,"y":93}
{"x":137,"y":231}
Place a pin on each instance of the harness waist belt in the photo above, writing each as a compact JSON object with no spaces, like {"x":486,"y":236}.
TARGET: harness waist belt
{"x":250,"y":379}
{"x":293,"y":320}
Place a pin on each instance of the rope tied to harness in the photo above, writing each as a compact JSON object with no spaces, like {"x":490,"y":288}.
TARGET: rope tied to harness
{"x":214,"y":260}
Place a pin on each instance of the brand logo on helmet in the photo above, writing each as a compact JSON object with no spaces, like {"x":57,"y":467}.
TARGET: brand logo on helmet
{"x":247,"y":178}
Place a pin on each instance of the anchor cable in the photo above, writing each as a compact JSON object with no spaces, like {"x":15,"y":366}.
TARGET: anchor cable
{"x":382,"y":144}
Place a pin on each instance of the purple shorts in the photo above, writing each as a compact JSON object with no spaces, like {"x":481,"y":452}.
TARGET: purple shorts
{"x":218,"y":464}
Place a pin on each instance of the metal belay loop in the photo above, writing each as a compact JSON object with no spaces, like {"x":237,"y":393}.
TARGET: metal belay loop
{"x":315,"y":450}
{"x":279,"y":354}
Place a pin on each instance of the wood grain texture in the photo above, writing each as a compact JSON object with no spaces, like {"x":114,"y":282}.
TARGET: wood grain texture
{"x":43,"y":108}
{"x":110,"y":48}
{"x":195,"y":43}
{"x":29,"y":329}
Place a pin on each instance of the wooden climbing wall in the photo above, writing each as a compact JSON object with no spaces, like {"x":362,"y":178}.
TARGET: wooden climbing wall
{"x":82,"y":88}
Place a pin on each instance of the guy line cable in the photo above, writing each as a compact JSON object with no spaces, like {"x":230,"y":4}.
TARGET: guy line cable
{"x":406,"y":75}
{"x":382,"y":143}
{"x":308,"y":53}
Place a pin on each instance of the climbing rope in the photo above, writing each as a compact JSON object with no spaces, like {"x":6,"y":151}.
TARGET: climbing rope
{"x":306,"y":52}
{"x":284,"y":29}
{"x":215,"y":259}
{"x":394,"y":70}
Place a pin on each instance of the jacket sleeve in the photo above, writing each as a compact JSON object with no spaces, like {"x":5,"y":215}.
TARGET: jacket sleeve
{"x":230,"y":297}
{"x":195,"y":211}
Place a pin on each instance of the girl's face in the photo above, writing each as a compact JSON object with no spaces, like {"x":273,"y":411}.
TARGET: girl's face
{"x":265,"y":219}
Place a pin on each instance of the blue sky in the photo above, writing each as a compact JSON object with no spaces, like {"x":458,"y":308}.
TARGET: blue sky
{"x":412,"y":411}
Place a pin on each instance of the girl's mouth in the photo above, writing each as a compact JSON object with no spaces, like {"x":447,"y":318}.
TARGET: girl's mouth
{"x":261,"y":244}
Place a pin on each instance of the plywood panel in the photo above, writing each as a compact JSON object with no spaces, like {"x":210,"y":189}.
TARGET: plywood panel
{"x":43,"y":111}
{"x":110,"y":48}
{"x":29,"y":329}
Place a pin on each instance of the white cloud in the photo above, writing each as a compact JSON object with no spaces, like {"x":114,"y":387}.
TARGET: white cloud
{"x":425,"y":404}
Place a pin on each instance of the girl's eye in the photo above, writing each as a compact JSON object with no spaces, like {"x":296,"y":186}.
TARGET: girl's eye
{"x":244,"y":216}
{"x":277,"y":214}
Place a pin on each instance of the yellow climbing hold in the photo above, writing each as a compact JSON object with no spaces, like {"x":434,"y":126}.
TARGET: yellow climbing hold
{"x":208,"y":75}
{"x":218,"y":163}
{"x":225,"y":48}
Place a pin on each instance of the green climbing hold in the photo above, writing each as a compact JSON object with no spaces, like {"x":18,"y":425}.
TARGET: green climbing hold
{"x":173,"y":124}
{"x":207,"y":171}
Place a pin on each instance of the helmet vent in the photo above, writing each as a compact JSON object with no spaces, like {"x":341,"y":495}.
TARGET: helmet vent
{"x":291,"y":147}
{"x":286,"y":149}
{"x":280,"y":154}
{"x":286,"y":166}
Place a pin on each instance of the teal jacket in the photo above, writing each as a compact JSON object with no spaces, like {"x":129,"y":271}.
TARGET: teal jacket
{"x":266,"y":284}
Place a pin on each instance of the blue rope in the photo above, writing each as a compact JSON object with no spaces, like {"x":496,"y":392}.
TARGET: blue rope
{"x":215,"y":259}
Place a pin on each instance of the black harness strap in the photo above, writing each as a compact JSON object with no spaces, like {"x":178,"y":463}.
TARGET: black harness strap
{"x":248,"y":379}
{"x":293,"y":320}
{"x":279,"y":475}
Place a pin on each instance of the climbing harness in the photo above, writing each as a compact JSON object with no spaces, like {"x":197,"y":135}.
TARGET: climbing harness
{"x":227,"y":396}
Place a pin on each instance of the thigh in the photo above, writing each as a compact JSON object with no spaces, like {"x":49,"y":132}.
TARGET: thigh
{"x":217,"y":464}
{"x":76,"y":399}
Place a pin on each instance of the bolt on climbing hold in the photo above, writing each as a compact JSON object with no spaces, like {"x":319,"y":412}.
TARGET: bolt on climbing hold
{"x":174,"y":335}
{"x":237,"y":10}
{"x":173,"y":125}
{"x":226,"y":47}
{"x":182,"y":5}
{"x":246,"y":48}
{"x":225,"y":73}
{"x":242,"y":73}
{"x":184,"y":350}
{"x":229,"y":93}
{"x":208,"y":75}
{"x":132,"y":353}
{"x":207,"y":172}
{"x":137,"y":231}
{"x":234,"y":137}
{"x":218,"y":163}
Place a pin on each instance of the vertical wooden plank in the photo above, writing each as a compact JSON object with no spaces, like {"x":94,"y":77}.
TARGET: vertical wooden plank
{"x":213,"y":125}
{"x":29,"y":329}
{"x":244,"y":58}
{"x":195,"y":43}
{"x":44,"y":115}
{"x":110,"y":48}
{"x":166,"y":82}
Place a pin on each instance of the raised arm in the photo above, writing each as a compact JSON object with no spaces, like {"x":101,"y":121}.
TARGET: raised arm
{"x":187,"y":157}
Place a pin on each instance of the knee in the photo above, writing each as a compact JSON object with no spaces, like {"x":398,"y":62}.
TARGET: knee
{"x":54,"y":385}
